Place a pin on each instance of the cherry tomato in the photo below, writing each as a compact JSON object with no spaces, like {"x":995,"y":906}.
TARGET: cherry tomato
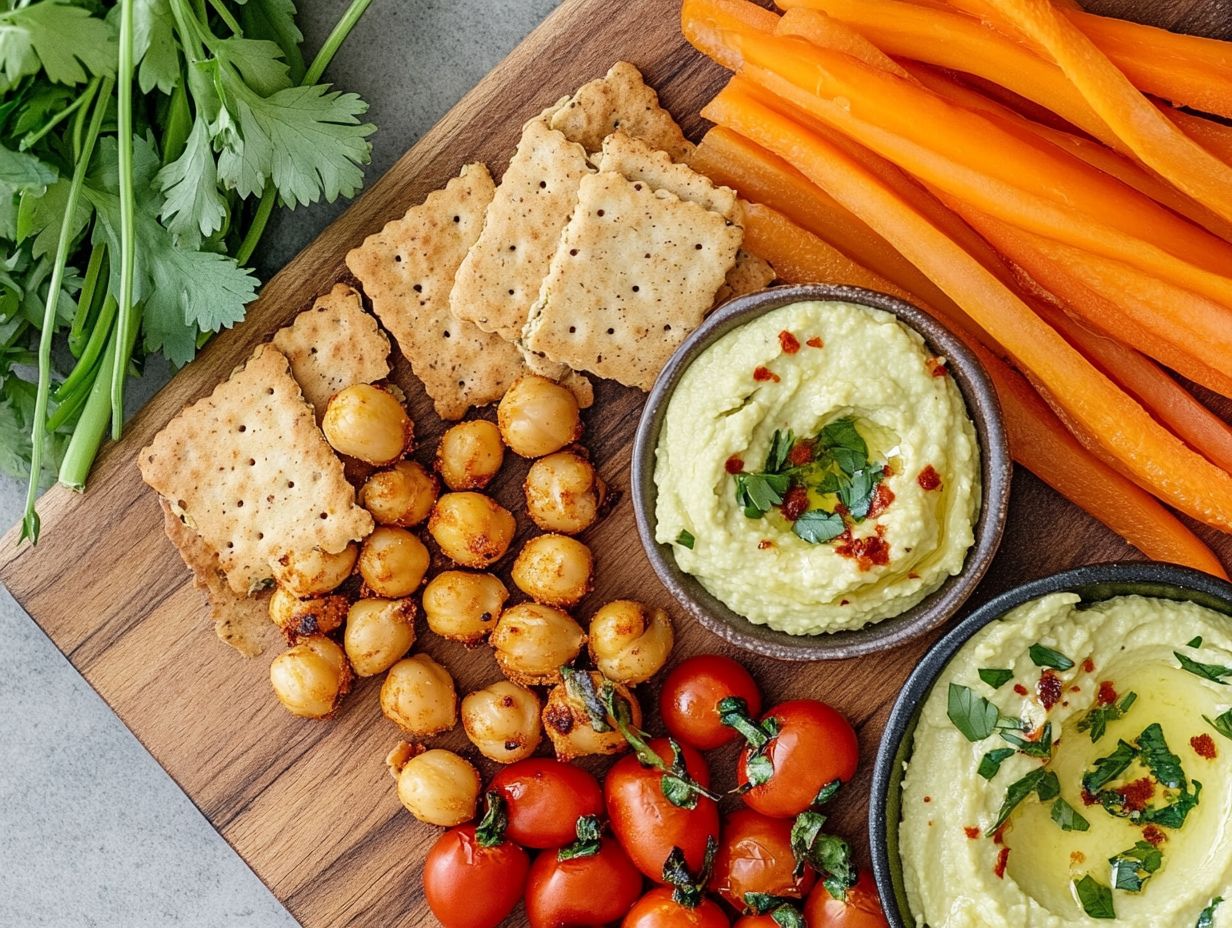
{"x":582,"y":892}
{"x":861,"y":908}
{"x":756,"y":921}
{"x":469,"y":884}
{"x":544,"y":799}
{"x":659,"y":909}
{"x":755,"y":857}
{"x":692,"y":692}
{"x":814,"y":746}
{"x":646,"y":824}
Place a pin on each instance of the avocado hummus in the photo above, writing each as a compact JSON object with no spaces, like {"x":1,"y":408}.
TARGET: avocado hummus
{"x":1071,"y":767}
{"x":817,"y":469}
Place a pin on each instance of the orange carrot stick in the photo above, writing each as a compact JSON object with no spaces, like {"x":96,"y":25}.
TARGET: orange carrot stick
{"x":704,"y":23}
{"x":1149,"y":453}
{"x":827,"y":32}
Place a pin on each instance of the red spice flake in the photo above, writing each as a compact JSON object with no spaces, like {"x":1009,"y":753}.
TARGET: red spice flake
{"x":844,"y":602}
{"x":1203,"y":745}
{"x":815,"y":342}
{"x":972,"y":832}
{"x":1107,"y":693}
{"x":882,"y":498}
{"x":1137,"y":794}
{"x":998,"y":836}
{"x":937,"y":367}
{"x":788,"y":342}
{"x":1003,"y":858}
{"x":1020,"y":689}
{"x":801,"y":453}
{"x":867,"y":552}
{"x":764,"y":544}
{"x":1077,"y":857}
{"x":1048,"y":689}
{"x":1088,"y":666}
{"x":795,"y":503}
{"x":762,"y":374}
{"x":928,"y":798}
{"x":912,"y":575}
{"x":928,"y":478}
{"x":1153,"y":835}
{"x":1075,"y":688}
{"x":1089,"y":798}
{"x":734,"y":465}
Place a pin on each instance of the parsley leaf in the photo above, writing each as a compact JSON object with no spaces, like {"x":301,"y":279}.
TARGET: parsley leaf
{"x":996,"y":677}
{"x":1221,"y":723}
{"x":14,"y":441}
{"x":1159,"y":759}
{"x":780,"y":447}
{"x":1096,"y":721}
{"x":58,"y":39}
{"x":757,"y":493}
{"x":1206,"y":918}
{"x":843,"y":445}
{"x":857,"y":493}
{"x":275,"y":20}
{"x":1067,"y":817}
{"x":21,"y":170}
{"x":972,"y":715}
{"x":1096,"y":898}
{"x":1195,"y":642}
{"x":817,"y":525}
{"x":1215,"y":672}
{"x":1133,"y":867}
{"x":1108,"y":768}
{"x":1174,"y":814}
{"x":1042,"y":656}
{"x":259,"y":62}
{"x":194,"y":207}
{"x":1041,"y":781}
{"x":990,"y":763}
{"x":685,"y":539}
{"x":1038,"y":747}
{"x":154,"y":45}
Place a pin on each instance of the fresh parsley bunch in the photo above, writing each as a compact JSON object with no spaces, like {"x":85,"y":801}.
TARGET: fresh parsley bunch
{"x":143,"y":147}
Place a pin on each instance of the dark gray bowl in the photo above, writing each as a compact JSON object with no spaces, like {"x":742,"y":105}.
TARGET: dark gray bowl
{"x":1093,"y":583}
{"x":929,"y":613}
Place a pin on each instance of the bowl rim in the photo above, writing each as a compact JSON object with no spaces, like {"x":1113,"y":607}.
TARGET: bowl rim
{"x":1094,"y":583}
{"x":982,"y":406}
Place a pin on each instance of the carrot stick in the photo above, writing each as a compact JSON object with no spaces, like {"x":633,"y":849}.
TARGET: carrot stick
{"x":826,"y":32}
{"x":1150,"y":454}
{"x":703,"y":23}
{"x":1154,"y":139}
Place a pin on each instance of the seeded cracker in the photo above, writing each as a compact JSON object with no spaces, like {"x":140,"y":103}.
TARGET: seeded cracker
{"x":748,"y":274}
{"x":636,"y":271}
{"x":619,"y":100}
{"x":637,"y":161}
{"x":248,"y":468}
{"x":407,"y":269}
{"x":333,"y":345}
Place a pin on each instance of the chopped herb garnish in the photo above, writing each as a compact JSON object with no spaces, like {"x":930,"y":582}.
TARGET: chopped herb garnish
{"x":841,"y":442}
{"x":1174,"y":814}
{"x":1194,"y":642}
{"x":996,"y":677}
{"x":1132,"y":868}
{"x":780,"y":446}
{"x":1096,"y":721}
{"x":1040,"y":747}
{"x":817,"y":525}
{"x":1215,"y":672}
{"x":1040,"y":781}
{"x":758,"y":493}
{"x":972,"y":715}
{"x":991,"y":762}
{"x":857,"y":494}
{"x":1067,"y":817}
{"x":1206,"y":918}
{"x":685,"y":539}
{"x":1096,"y":898}
{"x":1159,"y":759}
{"x":1221,"y":723}
{"x":1108,"y":768}
{"x":828,"y":854}
{"x":1042,"y":656}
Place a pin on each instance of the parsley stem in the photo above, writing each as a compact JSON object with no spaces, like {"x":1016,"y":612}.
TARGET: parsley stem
{"x":91,"y":424}
{"x":30,"y":520}
{"x":128,"y":313}
{"x":68,"y":407}
{"x":82,"y":101}
{"x":228,"y":20}
{"x":89,"y":356}
{"x":86,"y":299}
{"x":178,"y":123}
{"x":260,"y":219}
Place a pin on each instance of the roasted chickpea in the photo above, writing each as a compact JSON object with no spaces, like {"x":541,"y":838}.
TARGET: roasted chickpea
{"x":311,"y":678}
{"x":418,"y":696}
{"x":502,"y":720}
{"x":378,"y":633}
{"x":630,"y":642}
{"x":538,"y":416}
{"x":472,"y":529}
{"x":532,"y":642}
{"x":563,"y":493}
{"x":368,"y":423}
{"x":393,"y":562}
{"x":553,"y":569}
{"x":315,"y":572}
{"x":402,"y":495}
{"x":437,"y":787}
{"x":463,"y":606}
{"x":298,"y":618}
{"x":469,"y":455}
{"x":569,"y":725}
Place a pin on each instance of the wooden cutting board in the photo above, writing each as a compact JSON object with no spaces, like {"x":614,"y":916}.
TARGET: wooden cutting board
{"x":309,"y":805}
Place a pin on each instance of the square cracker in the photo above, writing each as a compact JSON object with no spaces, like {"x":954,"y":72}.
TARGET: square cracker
{"x":500,"y":276}
{"x":619,"y":100}
{"x":249,"y":470}
{"x":407,"y":269}
{"x":241,"y":621}
{"x":748,"y":274}
{"x":332,"y":346}
{"x":637,"y":270}
{"x":637,"y":161}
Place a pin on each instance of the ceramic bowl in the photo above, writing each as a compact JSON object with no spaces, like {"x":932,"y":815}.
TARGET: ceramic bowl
{"x":1092,"y":583}
{"x":929,"y":613}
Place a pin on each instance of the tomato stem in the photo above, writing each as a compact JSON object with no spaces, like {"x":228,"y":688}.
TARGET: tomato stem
{"x":589,"y":835}
{"x":688,"y":890}
{"x":490,"y":832}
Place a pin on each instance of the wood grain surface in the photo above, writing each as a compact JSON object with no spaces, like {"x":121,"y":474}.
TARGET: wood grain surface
{"x":310,"y":805}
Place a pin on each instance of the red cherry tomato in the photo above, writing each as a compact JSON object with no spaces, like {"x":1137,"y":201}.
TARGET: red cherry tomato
{"x":658,"y":909}
{"x":544,"y":799}
{"x":692,"y":692}
{"x":814,"y":746}
{"x":583,"y":892}
{"x":468,"y":885}
{"x":755,"y":857}
{"x":646,"y":824}
{"x":756,"y":921}
{"x":861,"y":908}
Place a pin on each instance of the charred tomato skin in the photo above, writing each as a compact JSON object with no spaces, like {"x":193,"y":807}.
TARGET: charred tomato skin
{"x":657,"y":909}
{"x":755,"y":856}
{"x":691,"y":694}
{"x":861,"y":908}
{"x":544,"y":798}
{"x":585,"y":892}
{"x":468,"y":885}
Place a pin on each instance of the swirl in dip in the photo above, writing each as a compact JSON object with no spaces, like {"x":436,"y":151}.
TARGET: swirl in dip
{"x":817,"y":469}
{"x":1071,"y":767}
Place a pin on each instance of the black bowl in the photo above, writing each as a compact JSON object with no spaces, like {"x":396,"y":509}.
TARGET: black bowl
{"x":931,"y":612}
{"x":1092,"y":583}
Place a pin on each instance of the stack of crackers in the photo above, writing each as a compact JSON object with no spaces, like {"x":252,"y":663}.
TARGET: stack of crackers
{"x":597,"y":253}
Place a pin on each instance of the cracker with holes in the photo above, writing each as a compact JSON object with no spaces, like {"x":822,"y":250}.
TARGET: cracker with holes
{"x":637,"y":269}
{"x":249,"y":470}
{"x":638,"y":161}
{"x":619,"y":100}
{"x":333,"y":345}
{"x":748,"y":274}
{"x":407,"y":269}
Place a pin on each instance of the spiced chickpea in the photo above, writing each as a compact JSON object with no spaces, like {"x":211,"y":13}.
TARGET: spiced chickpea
{"x":402,"y":495}
{"x":393,"y":562}
{"x":418,"y":696}
{"x":463,"y":606}
{"x":567,"y":720}
{"x":311,"y":678}
{"x":314,"y":572}
{"x":436,"y":786}
{"x":367,"y":423}
{"x":502,"y":721}
{"x":471,"y":529}
{"x":532,"y":642}
{"x":554,"y":569}
{"x":297,"y":618}
{"x":378,"y":633}
{"x":470,"y":455}
{"x":564,"y":493}
{"x":538,"y":416}
{"x":630,"y":642}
